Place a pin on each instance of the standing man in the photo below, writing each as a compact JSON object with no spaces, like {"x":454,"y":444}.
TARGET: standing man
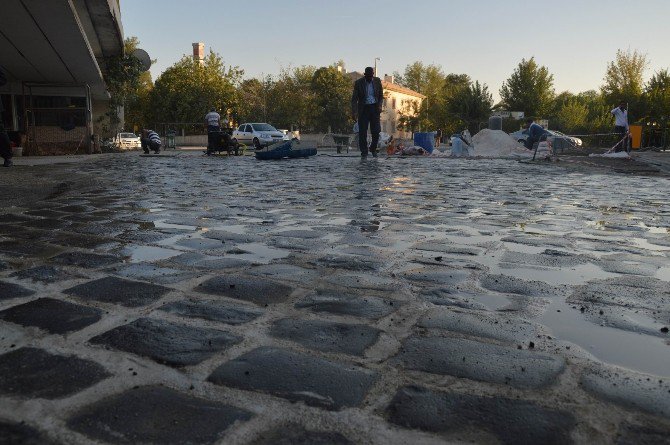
{"x":621,"y":128}
{"x":213,"y":121}
{"x":5,"y":147}
{"x":438,"y":137}
{"x":366,"y":108}
{"x":536,"y":133}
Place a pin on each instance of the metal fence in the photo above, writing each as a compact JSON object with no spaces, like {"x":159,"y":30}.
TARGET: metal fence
{"x":57,"y":118}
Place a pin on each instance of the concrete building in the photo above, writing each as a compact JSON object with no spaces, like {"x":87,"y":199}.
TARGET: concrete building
{"x":54,"y":53}
{"x":398,"y":101}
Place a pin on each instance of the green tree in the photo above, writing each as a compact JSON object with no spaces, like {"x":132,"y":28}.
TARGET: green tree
{"x":530,"y":89}
{"x":471,"y":105}
{"x":332,"y":96}
{"x":428,"y":80}
{"x":572,"y":116}
{"x":291,"y":101}
{"x":188,"y":89}
{"x":657,"y":97}
{"x":624,"y":81}
{"x":137,"y":106}
{"x":124,"y":76}
{"x":253,"y":97}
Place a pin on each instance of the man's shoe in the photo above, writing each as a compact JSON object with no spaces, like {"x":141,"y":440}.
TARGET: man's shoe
{"x":7,"y":163}
{"x":374,"y":154}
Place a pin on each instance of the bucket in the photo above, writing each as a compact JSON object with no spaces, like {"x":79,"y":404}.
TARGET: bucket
{"x":425,"y":141}
{"x":17,"y":151}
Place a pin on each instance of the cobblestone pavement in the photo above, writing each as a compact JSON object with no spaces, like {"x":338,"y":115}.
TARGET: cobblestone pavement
{"x":198,"y":300}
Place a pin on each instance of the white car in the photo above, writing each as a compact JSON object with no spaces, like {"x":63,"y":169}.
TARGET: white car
{"x":558,"y":138}
{"x":257,"y":134}
{"x":128,"y":141}
{"x":291,"y":135}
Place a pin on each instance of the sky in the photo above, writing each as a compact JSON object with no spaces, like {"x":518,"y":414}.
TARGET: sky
{"x":485,"y":39}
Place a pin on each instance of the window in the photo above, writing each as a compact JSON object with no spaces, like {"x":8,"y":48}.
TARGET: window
{"x":241,"y":128}
{"x":247,"y":128}
{"x":393,"y":102}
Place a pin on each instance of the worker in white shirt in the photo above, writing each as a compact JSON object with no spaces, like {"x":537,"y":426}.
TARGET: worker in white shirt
{"x":213,"y":120}
{"x":621,"y":128}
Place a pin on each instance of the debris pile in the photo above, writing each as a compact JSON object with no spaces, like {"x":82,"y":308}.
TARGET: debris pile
{"x":497,"y":144}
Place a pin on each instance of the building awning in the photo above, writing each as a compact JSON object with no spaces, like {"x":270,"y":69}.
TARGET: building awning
{"x":45,"y":41}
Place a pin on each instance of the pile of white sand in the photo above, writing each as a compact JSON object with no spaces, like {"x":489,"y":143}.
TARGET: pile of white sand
{"x":497,"y":144}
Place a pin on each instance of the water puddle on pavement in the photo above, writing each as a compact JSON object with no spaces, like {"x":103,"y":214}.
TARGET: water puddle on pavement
{"x":260,"y":253}
{"x":636,"y":351}
{"x":163,"y":225}
{"x":140,"y":254}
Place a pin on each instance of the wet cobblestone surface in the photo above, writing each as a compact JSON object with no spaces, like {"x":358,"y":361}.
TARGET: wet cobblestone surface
{"x":185,"y":299}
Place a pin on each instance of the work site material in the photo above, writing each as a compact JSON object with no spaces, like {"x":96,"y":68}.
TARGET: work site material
{"x":282,"y":151}
{"x":425,"y":140}
{"x":460,"y":149}
{"x":497,"y":144}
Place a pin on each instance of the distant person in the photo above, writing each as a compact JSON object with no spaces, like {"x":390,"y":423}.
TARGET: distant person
{"x":213,"y":121}
{"x":438,"y":137}
{"x":5,"y":146}
{"x":150,"y":141}
{"x":536,"y":133}
{"x":366,"y":108}
{"x":621,"y":127}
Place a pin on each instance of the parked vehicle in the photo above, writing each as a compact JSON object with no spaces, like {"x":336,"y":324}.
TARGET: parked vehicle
{"x":257,"y":134}
{"x":520,"y":136}
{"x":127,"y":141}
{"x":559,"y":138}
{"x":291,"y":135}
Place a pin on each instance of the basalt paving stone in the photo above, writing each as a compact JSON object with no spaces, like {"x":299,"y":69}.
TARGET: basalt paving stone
{"x":81,"y":241}
{"x":46,"y":213}
{"x":443,"y":278}
{"x":27,"y":248}
{"x":54,"y":316}
{"x":480,"y":361}
{"x":255,"y":289}
{"x":84,"y":260}
{"x":230,"y":237}
{"x":75,"y":208}
{"x":296,"y":377}
{"x":201,"y":243}
{"x":630,"y":434}
{"x":22,"y":434}
{"x":13,"y":218}
{"x":630,"y":389}
{"x":301,"y":234}
{"x":363,"y":281}
{"x":509,"y":421}
{"x":286,"y":272}
{"x":34,"y":373}
{"x":480,"y":325}
{"x":358,"y":306}
{"x":50,"y":224}
{"x":219,"y":311}
{"x":297,"y":435}
{"x":349,"y":263}
{"x":512,"y":285}
{"x":9,"y":291}
{"x":447,"y":248}
{"x":215,"y":264}
{"x":151,"y":272}
{"x":46,"y":274}
{"x":156,"y":415}
{"x":144,"y":236}
{"x":166,"y":342}
{"x":327,"y":336}
{"x":450,"y":297}
{"x":548,"y":258}
{"x":638,"y":292}
{"x":118,"y":291}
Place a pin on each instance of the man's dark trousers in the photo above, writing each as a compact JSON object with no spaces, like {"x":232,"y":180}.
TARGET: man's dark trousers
{"x":622,"y":132}
{"x":369,"y":115}
{"x":5,"y":147}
